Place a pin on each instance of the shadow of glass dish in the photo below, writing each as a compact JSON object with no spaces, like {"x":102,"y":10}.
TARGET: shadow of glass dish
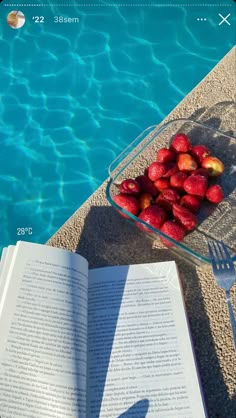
{"x":221,"y":116}
{"x":213,"y":127}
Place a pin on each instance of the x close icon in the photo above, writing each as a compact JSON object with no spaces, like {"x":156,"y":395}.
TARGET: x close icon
{"x":224,"y":19}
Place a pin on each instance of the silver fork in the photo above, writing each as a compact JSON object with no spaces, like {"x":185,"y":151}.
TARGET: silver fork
{"x":225,"y":275}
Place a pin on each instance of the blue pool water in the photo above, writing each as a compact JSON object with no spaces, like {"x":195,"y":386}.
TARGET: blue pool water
{"x":72,"y":96}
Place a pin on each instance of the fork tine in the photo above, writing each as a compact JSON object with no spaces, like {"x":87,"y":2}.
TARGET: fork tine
{"x":225,"y":249}
{"x":218,"y":252}
{"x":227,"y":257}
{"x":212,"y":255}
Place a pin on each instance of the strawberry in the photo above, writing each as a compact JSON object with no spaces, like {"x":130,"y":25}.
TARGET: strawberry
{"x":165,"y":155}
{"x":162,"y":183}
{"x":129,"y":186}
{"x":177,"y":180}
{"x":152,"y":215}
{"x":174,"y":230}
{"x":180,"y":143}
{"x":214,"y":166}
{"x":191,"y":202}
{"x":171,"y":195}
{"x":201,"y":171}
{"x":146,"y":185}
{"x":156,"y":170}
{"x":185,"y":217}
{"x":167,"y":198}
{"x":196,"y":185}
{"x":127,"y":202}
{"x":145,"y":200}
{"x":215,"y":193}
{"x":186,"y":162}
{"x":171,"y":168}
{"x":199,"y":152}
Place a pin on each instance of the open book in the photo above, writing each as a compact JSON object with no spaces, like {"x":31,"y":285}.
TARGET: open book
{"x":111,"y":342}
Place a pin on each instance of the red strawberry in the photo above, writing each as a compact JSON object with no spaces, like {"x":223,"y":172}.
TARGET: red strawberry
{"x":202,"y":171}
{"x":180,"y":143}
{"x":167,"y":198}
{"x":171,"y":195}
{"x":172,"y":168}
{"x":165,"y":155}
{"x":156,"y":170}
{"x":174,"y":231}
{"x":162,"y":184}
{"x":152,"y":215}
{"x":191,"y":202}
{"x":196,"y":185}
{"x":127,"y":202}
{"x":215,"y":194}
{"x":185,"y":217}
{"x":146,"y":185}
{"x":186,"y":162}
{"x":200,"y":152}
{"x":177,"y":180}
{"x":129,"y":186}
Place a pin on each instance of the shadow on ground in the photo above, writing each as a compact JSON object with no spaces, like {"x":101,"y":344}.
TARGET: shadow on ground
{"x":215,"y":221}
{"x":108,"y":239}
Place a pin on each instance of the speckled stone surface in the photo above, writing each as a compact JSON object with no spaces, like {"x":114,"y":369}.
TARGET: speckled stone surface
{"x":98,"y":233}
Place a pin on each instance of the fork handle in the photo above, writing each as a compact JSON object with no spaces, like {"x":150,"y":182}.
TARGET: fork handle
{"x":231,"y":316}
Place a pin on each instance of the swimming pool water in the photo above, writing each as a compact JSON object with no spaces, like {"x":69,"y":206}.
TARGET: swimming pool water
{"x":72,"y":96}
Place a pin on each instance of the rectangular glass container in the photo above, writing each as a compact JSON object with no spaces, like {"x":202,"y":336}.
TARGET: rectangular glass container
{"x":216,"y":222}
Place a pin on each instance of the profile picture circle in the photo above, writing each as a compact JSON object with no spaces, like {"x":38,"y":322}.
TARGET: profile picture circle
{"x":16,"y":19}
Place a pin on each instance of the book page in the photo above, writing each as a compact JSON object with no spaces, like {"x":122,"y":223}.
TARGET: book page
{"x":140,"y":360}
{"x":43,"y":334}
{"x":3,"y":255}
{"x":2,"y":260}
{"x":7,"y":255}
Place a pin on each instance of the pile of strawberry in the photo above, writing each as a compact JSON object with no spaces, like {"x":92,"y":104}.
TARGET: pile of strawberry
{"x":172,"y":189}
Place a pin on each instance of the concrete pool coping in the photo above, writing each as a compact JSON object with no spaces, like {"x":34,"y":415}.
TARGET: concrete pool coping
{"x":98,"y":233}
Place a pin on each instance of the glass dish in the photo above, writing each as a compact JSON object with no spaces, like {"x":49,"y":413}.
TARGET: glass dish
{"x":215,"y":221}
